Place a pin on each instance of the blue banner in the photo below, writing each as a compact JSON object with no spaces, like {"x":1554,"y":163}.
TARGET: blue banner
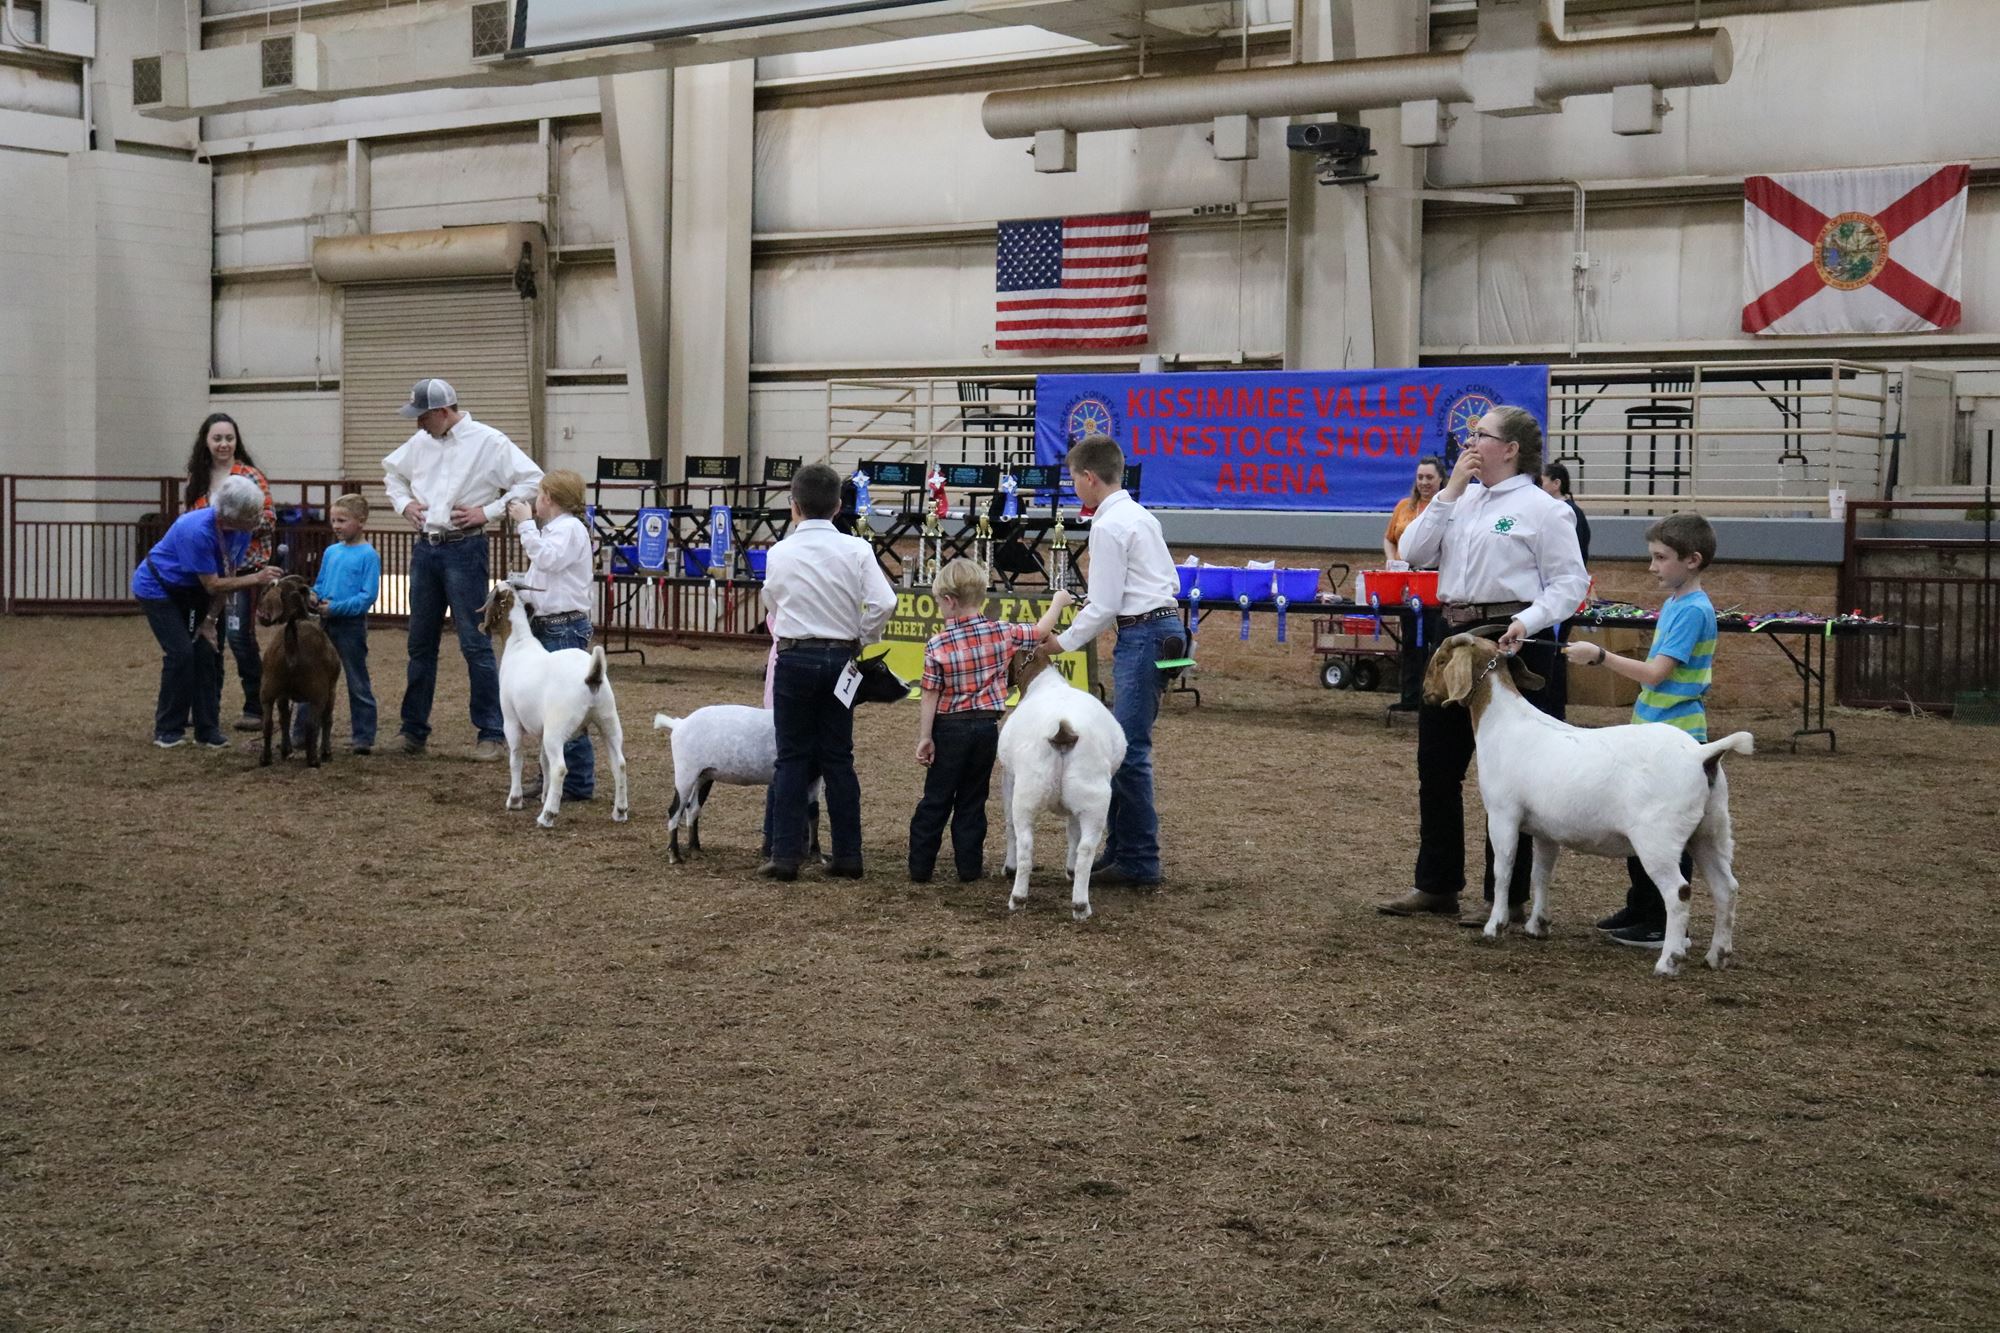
{"x":652,"y":542}
{"x":1301,"y":439}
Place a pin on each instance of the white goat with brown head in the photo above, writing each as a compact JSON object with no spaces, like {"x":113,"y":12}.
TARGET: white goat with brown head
{"x":1646,"y":790}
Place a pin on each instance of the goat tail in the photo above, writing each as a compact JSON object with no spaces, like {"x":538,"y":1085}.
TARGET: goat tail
{"x":1739,"y":742}
{"x":1065,"y":737}
{"x":595,"y":676}
{"x":661,"y":722}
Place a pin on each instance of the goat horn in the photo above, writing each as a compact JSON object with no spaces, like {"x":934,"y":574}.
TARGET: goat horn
{"x":1487,"y":631}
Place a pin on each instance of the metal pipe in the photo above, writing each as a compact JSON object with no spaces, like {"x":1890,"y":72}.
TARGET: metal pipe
{"x":1286,"y":90}
{"x":14,"y":34}
{"x":1597,"y":65}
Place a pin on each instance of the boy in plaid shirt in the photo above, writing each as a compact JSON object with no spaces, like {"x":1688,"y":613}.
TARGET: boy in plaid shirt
{"x":964,"y":689}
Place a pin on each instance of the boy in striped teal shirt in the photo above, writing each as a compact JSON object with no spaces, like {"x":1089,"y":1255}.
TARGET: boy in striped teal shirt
{"x":1672,"y":682}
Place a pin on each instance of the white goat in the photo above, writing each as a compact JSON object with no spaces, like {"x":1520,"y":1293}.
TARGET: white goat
{"x":737,"y":746}
{"x":1058,"y":749}
{"x":553,"y":696}
{"x":1646,"y":790}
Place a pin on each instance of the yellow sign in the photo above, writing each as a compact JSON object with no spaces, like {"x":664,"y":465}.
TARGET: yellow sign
{"x":916,"y":619}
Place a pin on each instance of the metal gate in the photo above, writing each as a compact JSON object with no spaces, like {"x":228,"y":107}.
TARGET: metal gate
{"x":1930,"y":566}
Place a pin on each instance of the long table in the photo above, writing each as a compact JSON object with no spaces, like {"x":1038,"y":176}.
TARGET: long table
{"x":1809,"y":662}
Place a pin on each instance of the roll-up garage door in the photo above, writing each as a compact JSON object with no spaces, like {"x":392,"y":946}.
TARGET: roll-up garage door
{"x":478,"y":333}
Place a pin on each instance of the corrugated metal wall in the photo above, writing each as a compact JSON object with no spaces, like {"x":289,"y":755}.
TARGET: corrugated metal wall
{"x":1814,"y":87}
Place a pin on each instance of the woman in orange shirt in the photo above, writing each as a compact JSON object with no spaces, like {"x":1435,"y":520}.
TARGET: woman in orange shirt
{"x":220,"y":451}
{"x":1430,"y":478}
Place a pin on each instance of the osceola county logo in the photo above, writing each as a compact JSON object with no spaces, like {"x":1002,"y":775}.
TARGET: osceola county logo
{"x":1506,"y":524}
{"x":1089,"y":414}
{"x":1457,"y":417}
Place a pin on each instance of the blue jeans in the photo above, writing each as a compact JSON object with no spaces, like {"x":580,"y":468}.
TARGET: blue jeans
{"x":240,"y":622}
{"x":452,"y":574}
{"x":580,"y":779}
{"x":190,"y":670}
{"x":1133,"y":841}
{"x":350,"y":640}
{"x":956,"y":786}
{"x":815,"y":740}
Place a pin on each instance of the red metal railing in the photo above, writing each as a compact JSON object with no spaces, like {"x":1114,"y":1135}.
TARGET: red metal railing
{"x":68,"y":545}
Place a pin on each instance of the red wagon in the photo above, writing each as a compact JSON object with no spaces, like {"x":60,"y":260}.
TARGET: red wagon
{"x":1360,"y":651}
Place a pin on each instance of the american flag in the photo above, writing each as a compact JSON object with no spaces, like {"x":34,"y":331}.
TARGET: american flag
{"x":1065,"y":283}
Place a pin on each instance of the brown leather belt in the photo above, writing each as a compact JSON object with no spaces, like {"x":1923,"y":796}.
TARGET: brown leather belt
{"x":1158,"y":613}
{"x":1472,"y":613}
{"x":429,"y":537}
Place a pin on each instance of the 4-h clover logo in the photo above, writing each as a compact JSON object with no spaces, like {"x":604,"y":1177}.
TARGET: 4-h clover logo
{"x":1504,"y":525}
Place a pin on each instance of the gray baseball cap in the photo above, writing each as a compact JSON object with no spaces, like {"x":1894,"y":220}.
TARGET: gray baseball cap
{"x":426,"y":395}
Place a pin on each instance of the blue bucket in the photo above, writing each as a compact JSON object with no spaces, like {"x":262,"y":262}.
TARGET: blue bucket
{"x":1187,"y":573}
{"x":1298,"y":585}
{"x":694,"y":562}
{"x":1217,"y":582}
{"x":624,"y":559}
{"x":757,"y":558}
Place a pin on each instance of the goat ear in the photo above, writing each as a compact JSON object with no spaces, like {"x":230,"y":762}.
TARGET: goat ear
{"x":494,"y":614}
{"x":1524,"y":679}
{"x":1450,"y":677}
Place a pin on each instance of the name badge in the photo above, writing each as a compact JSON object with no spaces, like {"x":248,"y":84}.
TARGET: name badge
{"x":849,"y":683}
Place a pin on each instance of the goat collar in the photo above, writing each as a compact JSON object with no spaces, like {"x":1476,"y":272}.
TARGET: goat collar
{"x":1476,"y":699}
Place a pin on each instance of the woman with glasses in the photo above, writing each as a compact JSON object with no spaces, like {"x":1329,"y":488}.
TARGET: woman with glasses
{"x":1506,"y":554}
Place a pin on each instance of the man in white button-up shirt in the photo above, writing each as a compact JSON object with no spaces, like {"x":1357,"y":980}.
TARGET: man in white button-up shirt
{"x":1506,"y":554}
{"x":1133,"y":585}
{"x":827,"y":597}
{"x":450,"y":479}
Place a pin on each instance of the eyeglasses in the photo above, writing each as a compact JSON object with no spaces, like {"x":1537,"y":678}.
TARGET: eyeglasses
{"x":1473,"y":437}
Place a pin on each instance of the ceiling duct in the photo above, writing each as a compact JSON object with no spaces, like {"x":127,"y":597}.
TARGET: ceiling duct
{"x":487,"y":250}
{"x":1511,"y":68}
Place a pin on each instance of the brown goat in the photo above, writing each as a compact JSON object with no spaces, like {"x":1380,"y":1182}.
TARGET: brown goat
{"x":300,"y":666}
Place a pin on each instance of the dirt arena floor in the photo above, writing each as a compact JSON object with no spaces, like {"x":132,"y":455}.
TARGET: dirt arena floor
{"x":357,"y":1049}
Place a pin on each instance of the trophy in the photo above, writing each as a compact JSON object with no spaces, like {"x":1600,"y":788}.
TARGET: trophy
{"x":982,"y":542}
{"x":930,"y":546}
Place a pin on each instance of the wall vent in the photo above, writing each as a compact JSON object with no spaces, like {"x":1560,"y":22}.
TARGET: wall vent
{"x":275,"y":65}
{"x":489,"y":29}
{"x":147,"y":88}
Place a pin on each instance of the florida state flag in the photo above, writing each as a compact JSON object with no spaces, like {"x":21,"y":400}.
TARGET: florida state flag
{"x":1853,"y":251}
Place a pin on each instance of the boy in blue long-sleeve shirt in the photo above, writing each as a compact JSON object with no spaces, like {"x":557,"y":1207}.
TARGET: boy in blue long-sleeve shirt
{"x":350,"y":576}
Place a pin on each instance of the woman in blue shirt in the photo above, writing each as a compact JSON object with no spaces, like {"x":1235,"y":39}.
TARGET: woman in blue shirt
{"x":180,"y":586}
